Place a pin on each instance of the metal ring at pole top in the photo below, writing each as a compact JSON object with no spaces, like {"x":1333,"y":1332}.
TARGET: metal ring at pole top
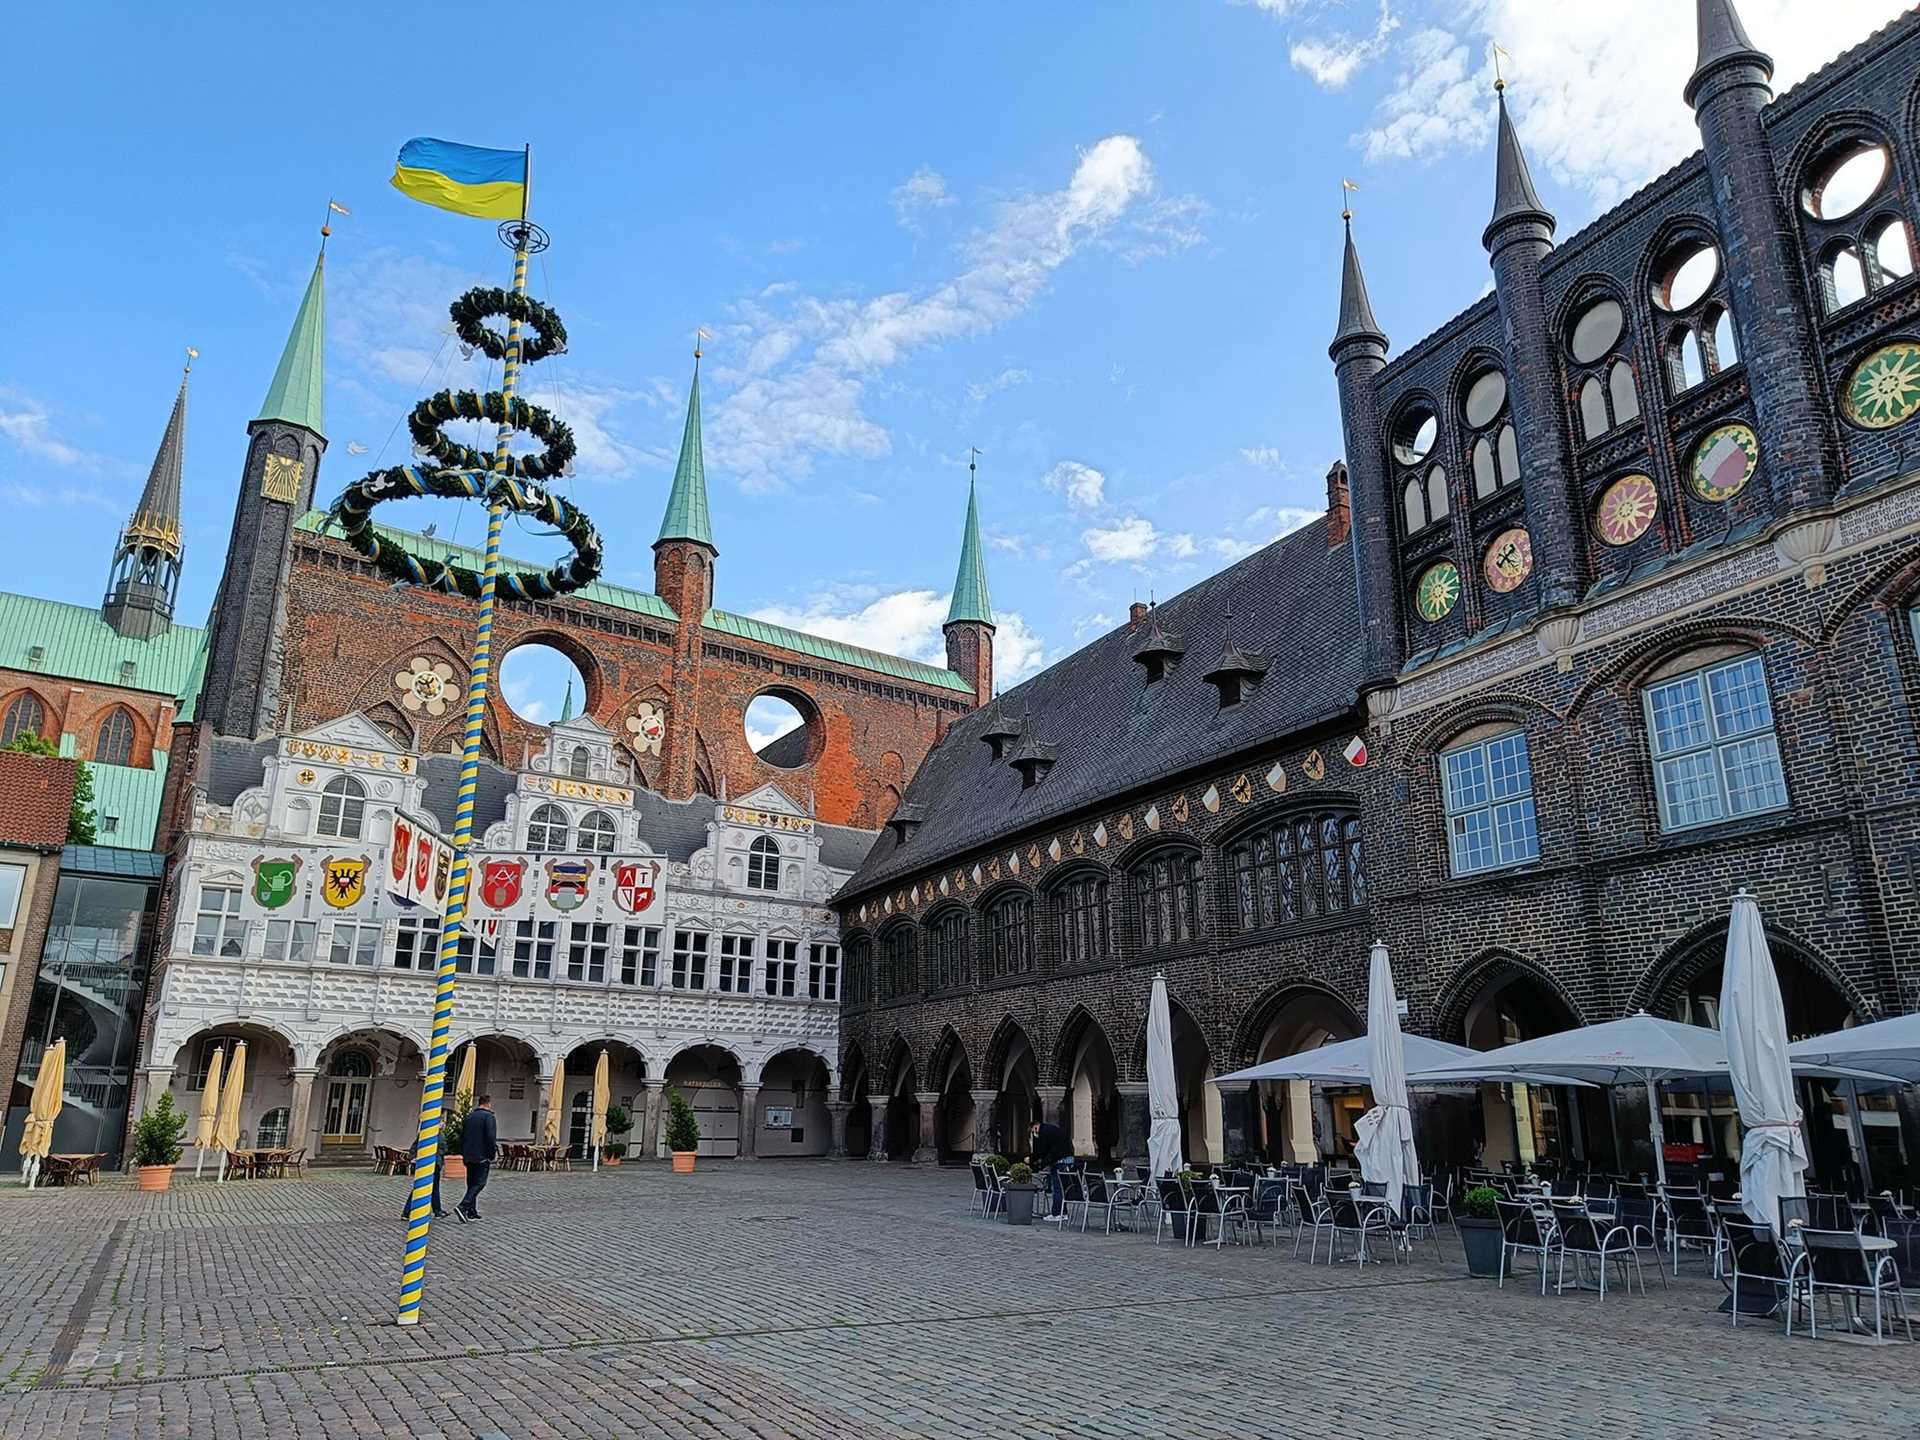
{"x":524,"y":235}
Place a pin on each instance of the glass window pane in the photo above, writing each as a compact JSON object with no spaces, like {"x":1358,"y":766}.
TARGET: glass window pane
{"x":1679,"y":715}
{"x":1508,"y":764}
{"x":1485,"y":482}
{"x":1509,"y":456}
{"x":1473,"y":847}
{"x":1437,"y":492}
{"x":1595,"y":331}
{"x":1513,"y":824}
{"x":1485,"y":397}
{"x":1626,"y":399}
{"x":1593,"y":408}
{"x":1416,"y":512}
{"x":1740,"y":703}
{"x":1690,"y":789}
{"x":1754,"y":781}
{"x":1466,"y":778}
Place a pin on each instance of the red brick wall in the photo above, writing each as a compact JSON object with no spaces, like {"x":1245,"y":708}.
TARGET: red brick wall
{"x":79,"y":708}
{"x":349,"y":633}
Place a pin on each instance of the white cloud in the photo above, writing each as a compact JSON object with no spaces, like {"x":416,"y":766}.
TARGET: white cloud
{"x":1596,"y":90}
{"x":979,"y":390}
{"x":906,"y":623}
{"x":589,"y":410}
{"x":810,"y":359}
{"x":1264,"y":457}
{"x":520,"y":698}
{"x":925,"y":189}
{"x":1131,"y":541}
{"x":1260,"y":529}
{"x":768,"y":719}
{"x":1332,"y":60}
{"x":27,"y":424}
{"x":1098,"y":623}
{"x":1084,"y":486}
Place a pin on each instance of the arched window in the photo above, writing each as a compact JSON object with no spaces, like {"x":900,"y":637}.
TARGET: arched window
{"x":1488,"y":797}
{"x":1715,"y":756}
{"x":1491,"y":441}
{"x":1414,"y":435}
{"x":1166,"y":898}
{"x":597,"y":831}
{"x":1426,"y":499}
{"x":343,"y":808}
{"x":26,"y":716}
{"x":899,"y":971}
{"x":1009,"y":936}
{"x":271,"y":1133}
{"x":578,"y":762}
{"x":947,"y":967}
{"x":1080,"y":918}
{"x":1601,"y":374}
{"x":857,"y":983}
{"x":547,"y":829}
{"x":1689,"y":286}
{"x":114,"y":744}
{"x":1436,"y":493}
{"x":351,"y":1063}
{"x":1296,"y":868}
{"x":763,"y":864}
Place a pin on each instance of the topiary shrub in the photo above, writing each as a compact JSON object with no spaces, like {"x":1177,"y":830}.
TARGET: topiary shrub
{"x":683,"y":1130}
{"x":1020,"y":1174}
{"x":1481,"y":1203}
{"x":156,"y":1134}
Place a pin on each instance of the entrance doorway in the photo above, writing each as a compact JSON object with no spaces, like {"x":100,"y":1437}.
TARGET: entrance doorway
{"x":349,"y":1080}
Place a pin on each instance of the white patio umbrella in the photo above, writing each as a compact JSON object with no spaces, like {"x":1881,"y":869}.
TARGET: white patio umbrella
{"x":1348,"y":1062}
{"x":1887,"y":1047}
{"x":1753,"y":1019}
{"x":1384,"y":1135}
{"x":1163,"y":1093}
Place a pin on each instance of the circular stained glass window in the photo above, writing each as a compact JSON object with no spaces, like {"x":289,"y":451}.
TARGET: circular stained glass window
{"x":1884,"y":388}
{"x":1509,"y":560}
{"x":1724,"y":462}
{"x":1438,"y":591}
{"x":1626,"y":509}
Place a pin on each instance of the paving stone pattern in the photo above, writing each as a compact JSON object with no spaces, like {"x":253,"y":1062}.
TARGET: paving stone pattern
{"x":823,"y":1299}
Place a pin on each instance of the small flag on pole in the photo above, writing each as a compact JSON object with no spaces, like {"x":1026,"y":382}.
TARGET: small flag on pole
{"x":490,"y":184}
{"x":1348,"y":185}
{"x":337,"y":208}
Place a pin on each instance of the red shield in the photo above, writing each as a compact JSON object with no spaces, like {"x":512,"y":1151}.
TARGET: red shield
{"x":633,"y":885}
{"x":402,"y":848}
{"x":500,"y":883}
{"x":422,"y":863}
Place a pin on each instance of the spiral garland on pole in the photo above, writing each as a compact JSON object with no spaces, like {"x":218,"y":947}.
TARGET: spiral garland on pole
{"x":461,"y":472}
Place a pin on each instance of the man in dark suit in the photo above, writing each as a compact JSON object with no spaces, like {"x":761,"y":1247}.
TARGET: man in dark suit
{"x":478,"y":1141}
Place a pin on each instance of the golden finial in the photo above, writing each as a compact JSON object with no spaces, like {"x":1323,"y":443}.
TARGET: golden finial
{"x":1499,"y":80}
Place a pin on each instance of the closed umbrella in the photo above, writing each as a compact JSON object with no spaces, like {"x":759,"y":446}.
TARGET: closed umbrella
{"x":49,"y":1094}
{"x":1163,"y":1093}
{"x":226,"y":1129}
{"x":1384,"y":1135}
{"x":464,"y":1085}
{"x":597,"y":1120}
{"x":1773,"y":1154}
{"x":550,"y":1124}
{"x":209,"y":1111}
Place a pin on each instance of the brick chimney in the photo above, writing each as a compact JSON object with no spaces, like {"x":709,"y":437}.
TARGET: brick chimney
{"x":1136,"y":612}
{"x":1339,"y":506}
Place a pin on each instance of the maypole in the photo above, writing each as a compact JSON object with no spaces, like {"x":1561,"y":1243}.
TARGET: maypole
{"x":472,"y":182}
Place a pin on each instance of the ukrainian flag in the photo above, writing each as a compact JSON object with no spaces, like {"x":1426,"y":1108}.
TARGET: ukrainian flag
{"x":465,"y":179}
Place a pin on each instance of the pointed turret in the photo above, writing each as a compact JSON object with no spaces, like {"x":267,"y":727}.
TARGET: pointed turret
{"x":969,"y":628}
{"x":566,"y":705}
{"x":687,"y":517}
{"x":1356,"y":310}
{"x":1723,"y":42}
{"x":683,"y":557}
{"x":1514,"y":198}
{"x":146,"y":563}
{"x":298,"y":390}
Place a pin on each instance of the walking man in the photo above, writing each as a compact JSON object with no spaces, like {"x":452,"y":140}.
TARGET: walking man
{"x":477,"y":1144}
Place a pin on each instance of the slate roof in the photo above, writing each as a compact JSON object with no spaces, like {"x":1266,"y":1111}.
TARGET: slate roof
{"x":39,"y":791}
{"x":1294,"y":600}
{"x":788,"y":751}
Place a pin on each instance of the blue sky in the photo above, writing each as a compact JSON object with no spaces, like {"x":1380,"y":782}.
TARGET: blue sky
{"x":1098,"y":242}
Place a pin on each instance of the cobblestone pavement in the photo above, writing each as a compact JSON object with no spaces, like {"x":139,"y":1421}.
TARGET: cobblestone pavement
{"x":833,"y":1300}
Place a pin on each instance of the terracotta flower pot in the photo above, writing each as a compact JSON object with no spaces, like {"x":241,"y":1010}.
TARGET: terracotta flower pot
{"x":609,"y":1159}
{"x":683,"y":1162}
{"x":156,"y":1177}
{"x":453,"y":1168}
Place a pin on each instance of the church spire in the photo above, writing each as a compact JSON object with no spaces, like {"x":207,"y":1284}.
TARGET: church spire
{"x":297,"y":393}
{"x":1356,"y":310}
{"x":566,"y":705}
{"x":970,"y":598}
{"x":687,"y":517}
{"x":1723,"y":41}
{"x":1514,"y":198}
{"x":146,"y":563}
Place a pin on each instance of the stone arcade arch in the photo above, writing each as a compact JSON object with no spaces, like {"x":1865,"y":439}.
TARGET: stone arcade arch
{"x":1086,"y":1066}
{"x":1013,"y":1074}
{"x":1499,"y":1000}
{"x":798,"y":1082}
{"x":951,"y":1076}
{"x":710,"y":1077}
{"x":626,"y":1087}
{"x":1291,"y":1120}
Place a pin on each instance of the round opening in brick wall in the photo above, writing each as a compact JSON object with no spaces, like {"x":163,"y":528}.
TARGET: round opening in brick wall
{"x":783,"y":729}
{"x":542,"y":685}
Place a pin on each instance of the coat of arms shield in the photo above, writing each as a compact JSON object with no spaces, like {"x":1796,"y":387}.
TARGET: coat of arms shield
{"x":273,"y":881}
{"x":346,"y":881}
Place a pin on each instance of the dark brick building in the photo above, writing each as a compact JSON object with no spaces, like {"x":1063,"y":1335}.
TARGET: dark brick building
{"x":1613,"y":613}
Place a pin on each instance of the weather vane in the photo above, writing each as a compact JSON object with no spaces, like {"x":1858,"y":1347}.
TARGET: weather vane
{"x":974,"y":452}
{"x":1499,"y":53}
{"x":192,"y":355}
{"x":1347,"y":187}
{"x":334,"y":207}
{"x":700,"y":335}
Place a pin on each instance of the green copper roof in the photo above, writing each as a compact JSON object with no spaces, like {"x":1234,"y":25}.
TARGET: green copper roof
{"x":188,"y":698}
{"x":76,"y":644}
{"x":837,"y":652}
{"x":970,"y":598}
{"x":618,"y":597}
{"x":686,"y":517}
{"x":566,"y":705}
{"x":126,"y":803}
{"x":298,"y":385}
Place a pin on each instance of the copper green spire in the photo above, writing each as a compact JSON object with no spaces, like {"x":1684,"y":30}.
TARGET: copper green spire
{"x":566,"y":705}
{"x":970,"y":599}
{"x":686,"y":517}
{"x":295,"y":395}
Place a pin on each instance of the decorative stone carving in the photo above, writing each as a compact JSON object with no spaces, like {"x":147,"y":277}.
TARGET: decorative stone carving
{"x":1556,"y":638}
{"x":648,"y":727}
{"x":1804,"y":547}
{"x":425,"y":685}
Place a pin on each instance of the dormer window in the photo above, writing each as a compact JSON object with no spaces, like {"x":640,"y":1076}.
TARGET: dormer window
{"x":1236,"y":675}
{"x":905,"y":820}
{"x":1030,"y":757}
{"x":1159,"y":651}
{"x":1002,"y":730}
{"x":578,"y":762}
{"x":763,"y":864}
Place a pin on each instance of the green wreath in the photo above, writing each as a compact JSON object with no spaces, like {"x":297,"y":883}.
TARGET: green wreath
{"x":353,"y":511}
{"x":471,"y":310}
{"x":433,"y":412}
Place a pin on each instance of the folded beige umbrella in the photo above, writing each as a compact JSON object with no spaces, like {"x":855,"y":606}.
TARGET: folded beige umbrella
{"x":556,"y":1097}
{"x":464,"y":1085}
{"x":49,"y":1094}
{"x":226,"y":1127}
{"x":597,"y":1120}
{"x":209,"y":1111}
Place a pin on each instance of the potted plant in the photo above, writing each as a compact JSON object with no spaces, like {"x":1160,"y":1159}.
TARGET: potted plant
{"x":156,"y":1143}
{"x":1020,"y":1191}
{"x":1478,"y":1217}
{"x":619,"y":1122}
{"x":683,"y":1132}
{"x":453,"y":1125}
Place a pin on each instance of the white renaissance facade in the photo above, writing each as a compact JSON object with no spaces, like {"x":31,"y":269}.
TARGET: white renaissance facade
{"x":692,"y":942}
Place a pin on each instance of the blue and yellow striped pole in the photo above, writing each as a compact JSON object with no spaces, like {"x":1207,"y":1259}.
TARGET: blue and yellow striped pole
{"x":413,"y":1271}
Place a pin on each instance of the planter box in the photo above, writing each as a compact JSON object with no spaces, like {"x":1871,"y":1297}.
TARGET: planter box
{"x":1482,"y":1241}
{"x":156,"y":1177}
{"x":453,"y":1168}
{"x":1020,"y":1204}
{"x":683,"y":1162}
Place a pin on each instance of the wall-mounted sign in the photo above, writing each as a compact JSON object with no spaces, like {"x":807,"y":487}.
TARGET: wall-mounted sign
{"x":603,"y":889}
{"x":779,"y":1117}
{"x":346,"y":755}
{"x":767,"y":819}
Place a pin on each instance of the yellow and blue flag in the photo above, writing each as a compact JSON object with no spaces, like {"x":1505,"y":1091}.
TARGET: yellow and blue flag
{"x":465,"y":179}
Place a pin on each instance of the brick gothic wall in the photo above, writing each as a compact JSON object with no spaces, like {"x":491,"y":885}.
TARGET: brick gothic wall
{"x":79,"y":708}
{"x":349,"y":633}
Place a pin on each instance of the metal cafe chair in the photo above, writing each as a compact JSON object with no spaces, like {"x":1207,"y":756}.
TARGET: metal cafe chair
{"x":1849,"y":1264}
{"x":1173,"y":1200}
{"x":1312,"y":1210}
{"x":1523,"y":1232}
{"x":1690,"y":1222}
{"x":1228,"y":1213}
{"x":1596,"y":1238}
{"x":1757,"y":1267}
{"x":1270,"y":1209}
